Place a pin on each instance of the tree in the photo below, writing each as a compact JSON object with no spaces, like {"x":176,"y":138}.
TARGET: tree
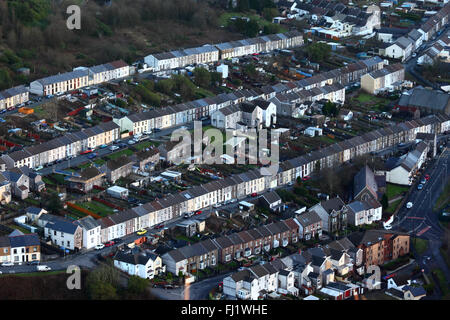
{"x":165,"y":86}
{"x":270,"y":13}
{"x":216,"y":77}
{"x":384,"y":201}
{"x":102,"y":291}
{"x":54,"y":204}
{"x":102,"y":283}
{"x":5,"y":79}
{"x":137,"y":285}
{"x":271,"y":28}
{"x":330,"y":109}
{"x":248,"y":28}
{"x":318,"y":51}
{"x":202,"y":77}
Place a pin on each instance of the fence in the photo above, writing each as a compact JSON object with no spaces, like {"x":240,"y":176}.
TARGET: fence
{"x":83,"y":210}
{"x":107,"y":203}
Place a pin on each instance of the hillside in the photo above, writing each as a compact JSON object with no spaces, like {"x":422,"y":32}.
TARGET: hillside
{"x":33,"y":33}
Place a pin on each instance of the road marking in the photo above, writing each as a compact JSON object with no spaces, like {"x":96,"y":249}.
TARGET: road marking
{"x":421,"y":232}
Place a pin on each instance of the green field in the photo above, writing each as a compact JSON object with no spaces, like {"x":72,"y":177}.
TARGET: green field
{"x":393,"y":190}
{"x":145,"y":144}
{"x":443,"y":199}
{"x":224,"y":19}
{"x":393,"y":206}
{"x":421,"y":245}
{"x":97,"y":207}
{"x":442,"y":281}
{"x":126,"y":152}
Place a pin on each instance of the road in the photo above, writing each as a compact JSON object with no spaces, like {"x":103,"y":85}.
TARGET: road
{"x":104,"y":152}
{"x":421,"y":221}
{"x":411,"y":64}
{"x":195,"y":291}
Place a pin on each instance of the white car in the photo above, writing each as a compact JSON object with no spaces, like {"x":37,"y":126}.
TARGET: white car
{"x":409,"y":205}
{"x":7,"y":264}
{"x":113,"y":148}
{"x":387,"y":227}
{"x":131,"y":142}
{"x":99,"y":246}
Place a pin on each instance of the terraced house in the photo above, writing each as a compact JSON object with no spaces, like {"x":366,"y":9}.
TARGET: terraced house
{"x":18,"y":247}
{"x":13,"y":97}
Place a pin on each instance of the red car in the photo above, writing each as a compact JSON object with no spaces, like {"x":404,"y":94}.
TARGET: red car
{"x":109,"y":244}
{"x":159,"y":226}
{"x":306,"y":178}
{"x":254,"y":194}
{"x":198,"y":212}
{"x":86,"y":151}
{"x":427,"y":177}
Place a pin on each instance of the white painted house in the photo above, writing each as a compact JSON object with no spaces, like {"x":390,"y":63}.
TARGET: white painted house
{"x":144,"y":264}
{"x":91,"y":232}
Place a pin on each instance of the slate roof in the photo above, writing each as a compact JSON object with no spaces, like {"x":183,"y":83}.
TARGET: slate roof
{"x":30,"y":239}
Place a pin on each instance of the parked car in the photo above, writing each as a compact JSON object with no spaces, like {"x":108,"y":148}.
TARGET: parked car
{"x":141,"y":232}
{"x":99,"y":246}
{"x":306,"y":178}
{"x":427,"y":177}
{"x":409,"y":205}
{"x":109,"y":244}
{"x":157,"y":130}
{"x":198,"y":212}
{"x":33,"y":263}
{"x":113,"y":148}
{"x":420,"y":187}
{"x":254,"y":194}
{"x":103,"y":146}
{"x":131,"y":142}
{"x":92,"y":156}
{"x":423,"y":181}
{"x":7,"y":264}
{"x":43,"y":268}
{"x":117,"y":240}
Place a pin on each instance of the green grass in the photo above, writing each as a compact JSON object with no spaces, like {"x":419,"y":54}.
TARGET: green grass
{"x":442,"y":281}
{"x":126,"y":152}
{"x":33,"y":274}
{"x":84,"y":165}
{"x":145,"y":144}
{"x":445,"y":256}
{"x":22,"y":229}
{"x":203,"y":93}
{"x":100,"y":162}
{"x":393,"y":206}
{"x":421,"y":245}
{"x":224,"y":19}
{"x":443,"y":199}
{"x":363,"y":98}
{"x":393,"y":190}
{"x":97,"y":207}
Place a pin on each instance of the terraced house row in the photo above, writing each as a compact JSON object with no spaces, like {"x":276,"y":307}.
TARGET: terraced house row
{"x":239,"y":245}
{"x":244,"y":184}
{"x":330,"y":85}
{"x":213,"y":53}
{"x":327,"y":85}
{"x":69,"y":145}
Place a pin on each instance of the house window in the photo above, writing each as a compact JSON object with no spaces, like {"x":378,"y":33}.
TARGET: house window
{"x":35,"y":249}
{"x":15,"y":251}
